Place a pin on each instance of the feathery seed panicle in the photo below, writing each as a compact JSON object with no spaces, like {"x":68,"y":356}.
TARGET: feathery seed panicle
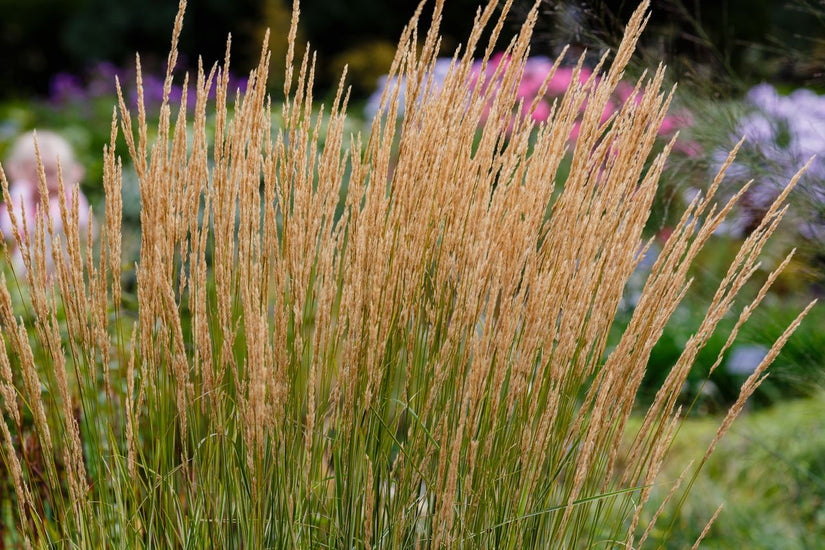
{"x":7,"y":390}
{"x":18,"y":340}
{"x":113,"y":188}
{"x":132,"y":411}
{"x":707,"y":528}
{"x":662,"y":506}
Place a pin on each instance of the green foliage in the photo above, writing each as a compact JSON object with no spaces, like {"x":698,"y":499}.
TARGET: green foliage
{"x":769,"y":474}
{"x":799,"y":370}
{"x":43,"y":37}
{"x":366,"y":63}
{"x":723,"y":47}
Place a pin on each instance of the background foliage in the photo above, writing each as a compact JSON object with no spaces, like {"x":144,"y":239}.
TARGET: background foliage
{"x":746,"y":40}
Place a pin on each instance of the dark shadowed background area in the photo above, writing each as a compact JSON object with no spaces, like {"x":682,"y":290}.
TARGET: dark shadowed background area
{"x":745,"y":40}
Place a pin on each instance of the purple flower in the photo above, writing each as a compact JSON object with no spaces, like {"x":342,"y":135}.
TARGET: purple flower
{"x":152,"y":90}
{"x":235,"y":84}
{"x":782,"y":133}
{"x":99,"y":82}
{"x":764,"y":97}
{"x":757,"y":129}
{"x":102,"y":79}
{"x":65,"y":87}
{"x":745,"y":359}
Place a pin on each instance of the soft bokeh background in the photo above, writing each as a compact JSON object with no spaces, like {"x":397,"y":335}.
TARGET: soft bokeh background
{"x":738,"y":40}
{"x":753,"y":68}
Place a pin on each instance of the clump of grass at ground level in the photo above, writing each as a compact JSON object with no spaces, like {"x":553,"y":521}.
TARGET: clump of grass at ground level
{"x":427,"y":368}
{"x":769,"y":472}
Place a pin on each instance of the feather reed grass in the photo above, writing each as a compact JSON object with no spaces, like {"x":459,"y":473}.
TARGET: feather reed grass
{"x":390,"y":340}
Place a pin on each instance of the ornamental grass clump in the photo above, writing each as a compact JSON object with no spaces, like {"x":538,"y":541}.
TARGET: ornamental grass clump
{"x":390,"y":340}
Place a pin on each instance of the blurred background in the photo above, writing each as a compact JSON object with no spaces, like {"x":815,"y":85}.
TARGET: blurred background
{"x":742,"y":40}
{"x":753,"y":68}
{"x":60,"y":57}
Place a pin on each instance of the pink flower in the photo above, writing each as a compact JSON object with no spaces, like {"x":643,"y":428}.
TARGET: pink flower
{"x":542,"y":111}
{"x":536,"y":71}
{"x":623,"y":92}
{"x":562,"y":79}
{"x":671,"y":123}
{"x":609,"y":109}
{"x":688,"y":148}
{"x":574,"y":133}
{"x":495,"y":61}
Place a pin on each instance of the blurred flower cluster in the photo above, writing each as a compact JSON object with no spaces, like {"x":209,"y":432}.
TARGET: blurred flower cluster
{"x":99,"y":83}
{"x":782,"y":133}
{"x":536,"y":71}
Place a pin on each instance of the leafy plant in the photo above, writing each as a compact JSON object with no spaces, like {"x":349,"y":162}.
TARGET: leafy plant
{"x":770,"y":472}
